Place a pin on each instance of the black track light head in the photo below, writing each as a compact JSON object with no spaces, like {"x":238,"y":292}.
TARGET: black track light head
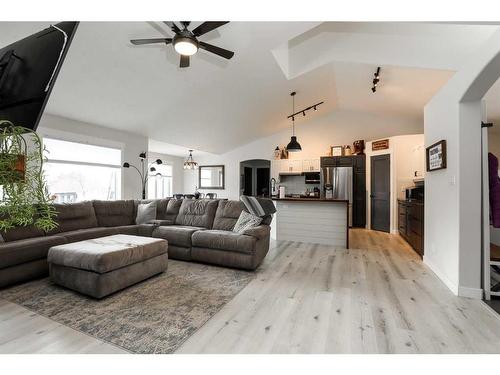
{"x":126,"y":165}
{"x":142,"y":155}
{"x":304,"y":113}
{"x":374,"y":89}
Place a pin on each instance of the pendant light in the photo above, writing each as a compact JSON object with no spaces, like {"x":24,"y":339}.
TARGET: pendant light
{"x":190,"y":163}
{"x":293,"y":146}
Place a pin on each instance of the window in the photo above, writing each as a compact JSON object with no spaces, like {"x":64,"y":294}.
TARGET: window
{"x":160,"y":182}
{"x":76,"y":172}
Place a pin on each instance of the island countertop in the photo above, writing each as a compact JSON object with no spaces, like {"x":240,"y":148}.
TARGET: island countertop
{"x":297,"y":199}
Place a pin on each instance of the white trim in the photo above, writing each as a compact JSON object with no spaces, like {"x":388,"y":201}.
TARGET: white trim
{"x":475,"y":293}
{"x":440,"y":276}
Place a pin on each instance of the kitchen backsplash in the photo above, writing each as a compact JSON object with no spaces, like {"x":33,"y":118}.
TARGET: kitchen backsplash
{"x":295,"y":184}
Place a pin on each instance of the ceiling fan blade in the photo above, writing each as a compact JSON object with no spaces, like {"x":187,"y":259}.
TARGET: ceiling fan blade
{"x":172,"y":26}
{"x":217,"y":50}
{"x":184,"y":61}
{"x":138,"y":42}
{"x":205,"y":27}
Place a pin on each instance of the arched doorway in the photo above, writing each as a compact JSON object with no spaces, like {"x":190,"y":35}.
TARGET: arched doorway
{"x":255,"y":177}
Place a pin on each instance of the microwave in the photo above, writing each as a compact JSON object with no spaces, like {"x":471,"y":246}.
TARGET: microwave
{"x":312,"y":177}
{"x":415,"y":193}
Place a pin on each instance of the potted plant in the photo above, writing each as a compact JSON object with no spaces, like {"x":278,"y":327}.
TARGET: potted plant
{"x":24,"y":195}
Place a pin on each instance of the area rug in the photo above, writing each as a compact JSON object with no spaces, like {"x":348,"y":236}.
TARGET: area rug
{"x":154,"y":316}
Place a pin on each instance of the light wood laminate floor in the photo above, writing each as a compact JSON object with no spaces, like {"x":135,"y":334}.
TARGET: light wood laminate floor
{"x":377,"y":297}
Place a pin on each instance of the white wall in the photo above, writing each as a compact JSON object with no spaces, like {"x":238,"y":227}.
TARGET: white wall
{"x":401,"y":151}
{"x":177,"y":169}
{"x":453,"y":195}
{"x":130,"y":144}
{"x":315,"y":137}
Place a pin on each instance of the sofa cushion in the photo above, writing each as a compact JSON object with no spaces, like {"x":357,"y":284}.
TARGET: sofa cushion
{"x":87,"y":234}
{"x":144,"y":230}
{"x":172,"y":210}
{"x":177,"y":235}
{"x":224,"y":240}
{"x":146,"y":212}
{"x":246,"y":221}
{"x":161,"y":206}
{"x":197,"y":212}
{"x":227,"y":215}
{"x":73,"y":216}
{"x":21,"y":233}
{"x":22,"y":251}
{"x":115,"y":213}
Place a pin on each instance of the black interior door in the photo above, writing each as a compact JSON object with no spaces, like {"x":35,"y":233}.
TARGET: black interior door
{"x":247,"y":190}
{"x":380,"y":192}
{"x":263,"y":177}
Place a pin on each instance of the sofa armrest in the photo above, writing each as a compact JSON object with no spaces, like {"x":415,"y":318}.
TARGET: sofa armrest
{"x":260,"y":232}
{"x":161,"y":222}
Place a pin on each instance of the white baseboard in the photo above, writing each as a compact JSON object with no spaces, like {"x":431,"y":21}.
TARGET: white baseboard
{"x":475,"y":293}
{"x":444,"y":279}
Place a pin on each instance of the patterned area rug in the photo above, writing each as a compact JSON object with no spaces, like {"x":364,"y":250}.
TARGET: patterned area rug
{"x":155,"y":316}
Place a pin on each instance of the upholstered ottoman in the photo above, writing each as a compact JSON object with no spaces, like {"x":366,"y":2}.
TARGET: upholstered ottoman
{"x":102,"y":266}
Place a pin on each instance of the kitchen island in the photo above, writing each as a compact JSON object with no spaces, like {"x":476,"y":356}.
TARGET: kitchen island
{"x":312,"y":220}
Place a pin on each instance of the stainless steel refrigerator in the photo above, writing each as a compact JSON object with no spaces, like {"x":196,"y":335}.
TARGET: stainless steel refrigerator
{"x":336,"y":183}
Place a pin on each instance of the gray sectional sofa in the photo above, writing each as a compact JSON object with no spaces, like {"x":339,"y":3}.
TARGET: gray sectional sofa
{"x":196,"y":230}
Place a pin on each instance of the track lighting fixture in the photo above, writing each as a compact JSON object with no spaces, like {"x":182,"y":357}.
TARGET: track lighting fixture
{"x":376,"y":80}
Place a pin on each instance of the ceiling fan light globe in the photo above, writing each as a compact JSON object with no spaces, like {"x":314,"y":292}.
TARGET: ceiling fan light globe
{"x":185,"y":46}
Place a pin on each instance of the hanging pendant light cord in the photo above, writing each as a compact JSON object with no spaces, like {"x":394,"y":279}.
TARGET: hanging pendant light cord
{"x":293,"y":111}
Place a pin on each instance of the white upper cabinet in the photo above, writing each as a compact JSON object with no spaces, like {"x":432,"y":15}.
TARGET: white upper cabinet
{"x":310,"y":165}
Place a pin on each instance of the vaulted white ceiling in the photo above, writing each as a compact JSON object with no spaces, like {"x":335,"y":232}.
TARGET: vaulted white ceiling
{"x":217,"y":105}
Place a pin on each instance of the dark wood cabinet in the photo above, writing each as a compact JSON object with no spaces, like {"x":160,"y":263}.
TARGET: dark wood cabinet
{"x":358,"y":164}
{"x":411,"y":224}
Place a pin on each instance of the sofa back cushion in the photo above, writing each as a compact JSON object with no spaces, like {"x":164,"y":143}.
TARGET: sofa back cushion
{"x":20,"y":233}
{"x":161,"y":206}
{"x":115,"y":213}
{"x":73,"y":216}
{"x":227,"y":215}
{"x":171,"y":210}
{"x":197,"y":213}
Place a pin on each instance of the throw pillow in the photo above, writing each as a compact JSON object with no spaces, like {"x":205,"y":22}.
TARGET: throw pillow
{"x":246,"y":221}
{"x":258,"y":206}
{"x":145,"y":212}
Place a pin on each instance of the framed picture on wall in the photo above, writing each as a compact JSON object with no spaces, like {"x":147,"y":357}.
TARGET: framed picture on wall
{"x":436,"y":156}
{"x":337,"y":150}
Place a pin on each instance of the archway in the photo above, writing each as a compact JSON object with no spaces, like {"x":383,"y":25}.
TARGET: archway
{"x":255,"y":177}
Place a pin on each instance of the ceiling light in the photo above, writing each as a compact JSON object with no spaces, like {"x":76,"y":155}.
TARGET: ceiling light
{"x":190,"y":163}
{"x":293,"y":146}
{"x":376,"y":80}
{"x":185,"y":46}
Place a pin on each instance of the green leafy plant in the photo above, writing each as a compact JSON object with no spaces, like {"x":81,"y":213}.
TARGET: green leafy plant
{"x":25,"y":197}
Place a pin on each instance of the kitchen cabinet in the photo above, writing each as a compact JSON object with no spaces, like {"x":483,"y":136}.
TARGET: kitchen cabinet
{"x":310,"y":165}
{"x":411,"y":223}
{"x":291,"y":166}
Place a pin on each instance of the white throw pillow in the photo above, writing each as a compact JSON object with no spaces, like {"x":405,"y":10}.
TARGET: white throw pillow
{"x":246,"y":221}
{"x":145,"y":212}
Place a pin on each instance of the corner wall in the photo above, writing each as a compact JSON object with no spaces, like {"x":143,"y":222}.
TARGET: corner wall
{"x":453,"y":195}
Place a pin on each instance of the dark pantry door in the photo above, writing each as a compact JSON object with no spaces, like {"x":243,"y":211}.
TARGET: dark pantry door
{"x":247,"y":180}
{"x":380,"y":192}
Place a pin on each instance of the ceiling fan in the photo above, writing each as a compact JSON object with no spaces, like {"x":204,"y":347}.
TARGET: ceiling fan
{"x":186,"y":42}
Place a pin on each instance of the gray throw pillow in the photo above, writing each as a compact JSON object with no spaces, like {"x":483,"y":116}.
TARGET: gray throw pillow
{"x":246,"y":221}
{"x":145,"y":212}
